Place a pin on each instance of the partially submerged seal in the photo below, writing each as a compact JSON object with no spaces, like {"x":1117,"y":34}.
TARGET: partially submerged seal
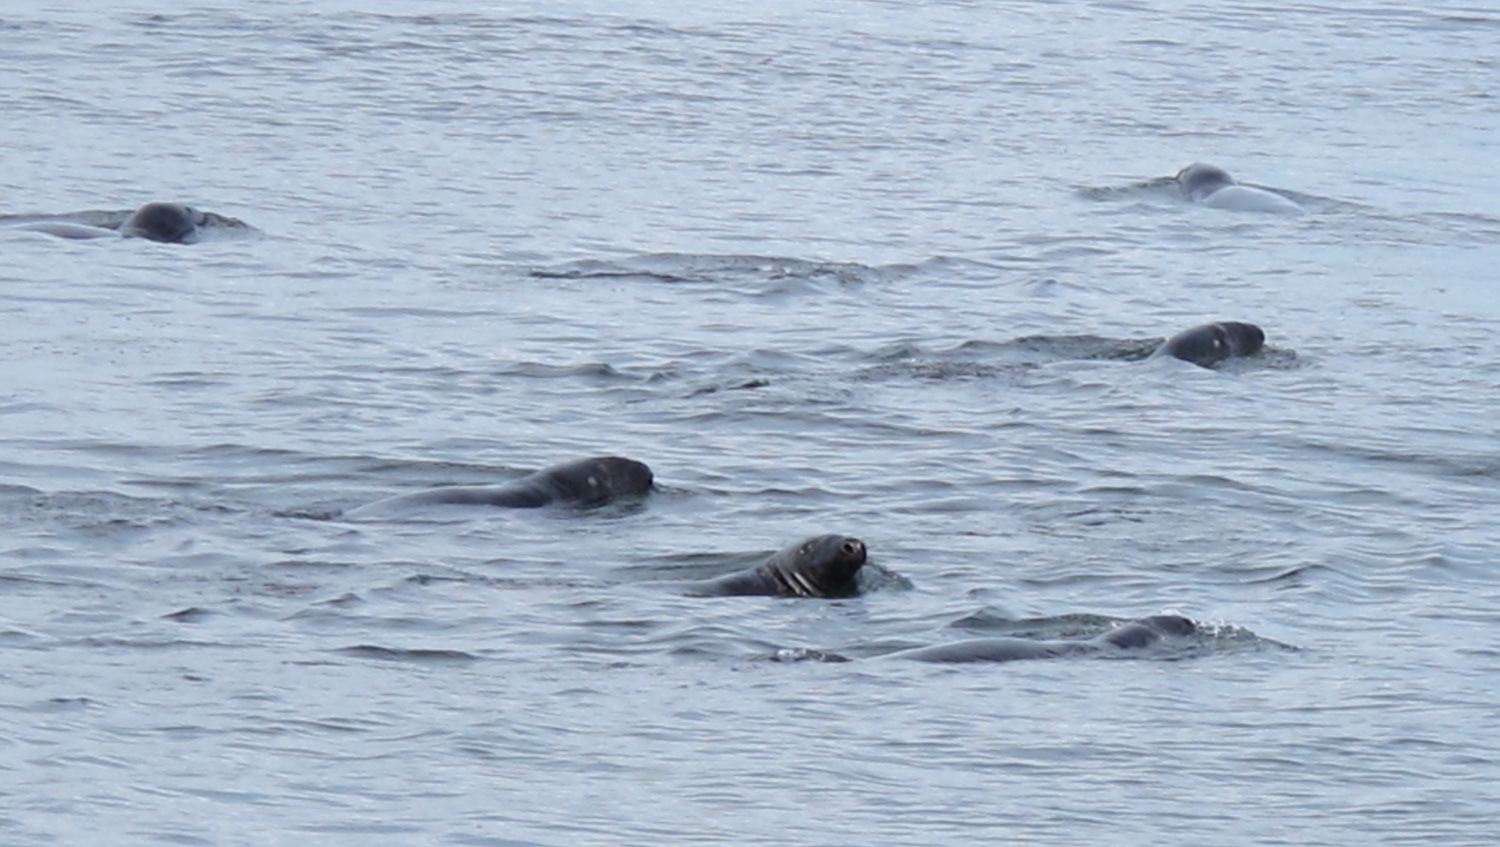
{"x":585,"y":482}
{"x":821,"y":566}
{"x":1213,"y":186}
{"x":1134,"y":635}
{"x":1209,"y":344}
{"x":172,"y":223}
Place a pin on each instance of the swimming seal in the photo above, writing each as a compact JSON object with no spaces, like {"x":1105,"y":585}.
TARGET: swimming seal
{"x":1213,"y":186}
{"x":173,"y":223}
{"x":1209,"y":344}
{"x":821,"y":566}
{"x":585,"y":482}
{"x":1135,"y":635}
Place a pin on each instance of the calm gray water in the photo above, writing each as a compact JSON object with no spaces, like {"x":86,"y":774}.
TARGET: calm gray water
{"x":782,"y":252}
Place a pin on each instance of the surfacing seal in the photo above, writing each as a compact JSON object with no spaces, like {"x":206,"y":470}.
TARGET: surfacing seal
{"x":1134,"y":635}
{"x":1212,"y":186}
{"x":584,"y":483}
{"x":174,"y":223}
{"x":1209,"y":344}
{"x":821,"y":566}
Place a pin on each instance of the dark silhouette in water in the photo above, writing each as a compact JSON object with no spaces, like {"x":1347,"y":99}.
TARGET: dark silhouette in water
{"x":171,"y":223}
{"x":585,"y":482}
{"x":1135,"y":635}
{"x":821,"y":566}
{"x":1209,"y":344}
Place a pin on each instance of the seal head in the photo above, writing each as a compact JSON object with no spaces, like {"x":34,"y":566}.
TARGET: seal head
{"x":173,"y":223}
{"x":583,"y":483}
{"x":1147,"y":631}
{"x":822,"y":566}
{"x":586,"y":482}
{"x":1199,"y":180}
{"x":1212,"y":186}
{"x":1209,"y":344}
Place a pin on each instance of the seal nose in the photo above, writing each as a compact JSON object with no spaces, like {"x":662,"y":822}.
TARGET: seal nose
{"x":853,"y":547}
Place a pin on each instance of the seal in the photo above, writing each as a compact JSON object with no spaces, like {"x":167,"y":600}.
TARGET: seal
{"x":172,"y":223}
{"x":1209,"y":344}
{"x":583,"y":483}
{"x":1213,"y":187}
{"x":1134,"y":635}
{"x":821,"y":566}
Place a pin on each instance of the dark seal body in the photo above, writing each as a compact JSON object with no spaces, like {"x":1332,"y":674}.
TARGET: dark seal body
{"x":1209,"y":344}
{"x":586,"y":482}
{"x":1212,"y":186}
{"x":174,"y":223}
{"x":1135,"y":635}
{"x":821,"y":566}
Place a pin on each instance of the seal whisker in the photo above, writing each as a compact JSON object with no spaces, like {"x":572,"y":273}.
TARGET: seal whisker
{"x":822,"y":566}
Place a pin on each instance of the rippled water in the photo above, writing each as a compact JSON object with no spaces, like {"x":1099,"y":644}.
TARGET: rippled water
{"x":826,"y":268}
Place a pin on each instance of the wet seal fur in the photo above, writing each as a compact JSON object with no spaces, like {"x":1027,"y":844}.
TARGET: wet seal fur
{"x":170,"y":223}
{"x":583,"y":483}
{"x":1209,"y":344}
{"x":1212,"y":186}
{"x":1134,"y":635}
{"x":821,"y":566}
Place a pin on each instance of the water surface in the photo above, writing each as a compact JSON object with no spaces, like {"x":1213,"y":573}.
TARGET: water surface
{"x":796,"y":258}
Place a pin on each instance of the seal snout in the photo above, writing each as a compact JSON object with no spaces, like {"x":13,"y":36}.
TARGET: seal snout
{"x":1245,"y":339}
{"x":853,"y":548}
